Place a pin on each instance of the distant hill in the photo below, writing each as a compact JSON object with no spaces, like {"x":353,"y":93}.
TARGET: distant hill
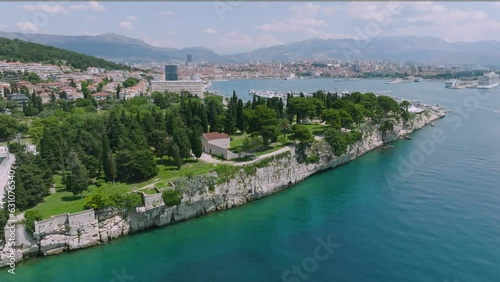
{"x":398,"y":48}
{"x":18,"y":50}
{"x":118,"y":48}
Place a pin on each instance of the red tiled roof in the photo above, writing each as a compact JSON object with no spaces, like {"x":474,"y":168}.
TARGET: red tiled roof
{"x":215,"y":135}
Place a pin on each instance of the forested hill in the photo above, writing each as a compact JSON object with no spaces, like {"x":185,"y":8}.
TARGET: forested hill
{"x":18,"y":50}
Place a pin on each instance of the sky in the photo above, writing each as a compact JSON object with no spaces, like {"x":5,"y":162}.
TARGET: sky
{"x":240,"y":26}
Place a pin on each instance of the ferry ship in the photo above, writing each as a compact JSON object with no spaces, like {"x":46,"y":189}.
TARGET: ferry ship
{"x":488,"y":81}
{"x":452,"y":83}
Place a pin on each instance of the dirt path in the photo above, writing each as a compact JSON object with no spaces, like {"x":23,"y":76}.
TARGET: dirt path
{"x":209,"y":159}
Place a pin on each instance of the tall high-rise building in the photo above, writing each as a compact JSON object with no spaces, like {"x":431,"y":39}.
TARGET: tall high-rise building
{"x":171,"y":72}
{"x":189,"y":58}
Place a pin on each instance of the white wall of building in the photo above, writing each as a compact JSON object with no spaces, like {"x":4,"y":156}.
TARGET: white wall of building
{"x":194,"y":87}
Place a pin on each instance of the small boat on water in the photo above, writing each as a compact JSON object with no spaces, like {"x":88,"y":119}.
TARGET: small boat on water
{"x":408,"y":137}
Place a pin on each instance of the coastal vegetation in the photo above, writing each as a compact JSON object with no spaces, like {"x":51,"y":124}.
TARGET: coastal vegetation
{"x":18,"y":50}
{"x":95,"y":158}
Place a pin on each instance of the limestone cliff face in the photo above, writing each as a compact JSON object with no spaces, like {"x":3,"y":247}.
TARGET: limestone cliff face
{"x":88,"y":228}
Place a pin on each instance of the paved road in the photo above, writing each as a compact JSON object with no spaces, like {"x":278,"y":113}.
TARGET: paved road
{"x":4,"y":172}
{"x":209,"y":159}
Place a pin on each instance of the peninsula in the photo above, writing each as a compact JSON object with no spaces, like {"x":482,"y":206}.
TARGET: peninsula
{"x":315,"y":134}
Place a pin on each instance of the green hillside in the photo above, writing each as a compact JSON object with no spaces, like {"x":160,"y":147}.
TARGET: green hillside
{"x":18,"y":50}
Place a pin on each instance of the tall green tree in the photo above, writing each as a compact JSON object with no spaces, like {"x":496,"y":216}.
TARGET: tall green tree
{"x":240,"y":118}
{"x":78,"y":180}
{"x":196,"y":145}
{"x":176,"y":156}
{"x":8,"y":126}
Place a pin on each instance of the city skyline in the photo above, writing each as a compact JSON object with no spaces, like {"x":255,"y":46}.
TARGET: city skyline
{"x":231,"y":27}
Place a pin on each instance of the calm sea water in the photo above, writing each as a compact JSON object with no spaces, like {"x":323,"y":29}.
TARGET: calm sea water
{"x":440,"y":220}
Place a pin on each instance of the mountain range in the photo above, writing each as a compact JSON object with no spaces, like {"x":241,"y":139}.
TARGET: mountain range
{"x":121,"y":48}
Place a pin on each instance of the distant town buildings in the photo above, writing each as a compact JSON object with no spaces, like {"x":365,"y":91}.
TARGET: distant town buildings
{"x":20,"y":99}
{"x":194,"y":87}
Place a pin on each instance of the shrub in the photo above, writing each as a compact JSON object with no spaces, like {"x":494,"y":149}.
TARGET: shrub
{"x":99,"y":182}
{"x":226,"y":172}
{"x":29,"y":220}
{"x":171,"y":197}
{"x":15,"y":148}
{"x":98,"y":202}
{"x":125,"y":201}
{"x":312,"y":159}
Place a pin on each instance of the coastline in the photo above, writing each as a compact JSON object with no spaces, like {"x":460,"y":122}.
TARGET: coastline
{"x":88,"y":228}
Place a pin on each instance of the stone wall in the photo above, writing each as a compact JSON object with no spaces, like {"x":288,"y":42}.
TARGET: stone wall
{"x":88,"y":228}
{"x":152,"y":200}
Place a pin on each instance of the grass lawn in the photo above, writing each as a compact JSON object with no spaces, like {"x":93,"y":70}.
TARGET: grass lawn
{"x":23,"y":141}
{"x":237,"y":140}
{"x":65,"y":202}
{"x":317,"y":129}
{"x":148,"y":191}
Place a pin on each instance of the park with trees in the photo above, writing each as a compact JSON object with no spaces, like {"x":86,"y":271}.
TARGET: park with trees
{"x":88,"y":155}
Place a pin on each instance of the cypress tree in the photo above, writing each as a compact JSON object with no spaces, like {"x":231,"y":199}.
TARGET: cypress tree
{"x":176,"y":156}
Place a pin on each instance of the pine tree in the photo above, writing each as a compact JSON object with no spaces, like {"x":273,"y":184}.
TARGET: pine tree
{"x":78,"y":180}
{"x":50,"y":150}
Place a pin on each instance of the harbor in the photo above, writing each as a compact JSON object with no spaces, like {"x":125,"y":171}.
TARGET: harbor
{"x":488,"y":81}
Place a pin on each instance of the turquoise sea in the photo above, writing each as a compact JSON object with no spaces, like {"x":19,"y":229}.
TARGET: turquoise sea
{"x":420,"y":211}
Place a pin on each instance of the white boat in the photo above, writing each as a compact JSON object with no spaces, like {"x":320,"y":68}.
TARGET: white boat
{"x":452,"y":83}
{"x":488,"y":81}
{"x":418,"y":79}
{"x":397,"y":80}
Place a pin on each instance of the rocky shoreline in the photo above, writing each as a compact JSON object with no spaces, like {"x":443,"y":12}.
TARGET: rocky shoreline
{"x":88,"y":228}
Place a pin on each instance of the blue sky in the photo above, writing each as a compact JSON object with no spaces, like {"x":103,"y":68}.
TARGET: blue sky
{"x":230,"y":27}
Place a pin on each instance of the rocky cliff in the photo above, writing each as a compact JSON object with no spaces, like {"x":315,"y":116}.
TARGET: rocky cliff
{"x":88,"y":228}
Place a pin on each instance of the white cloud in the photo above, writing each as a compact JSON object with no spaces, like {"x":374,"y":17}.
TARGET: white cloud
{"x":90,"y":6}
{"x":165,"y":13}
{"x":431,"y":19}
{"x":95,"y":6}
{"x":26,"y":26}
{"x":132,"y":18}
{"x":51,"y":9}
{"x":311,"y":10}
{"x":368,"y":11}
{"x":209,"y":31}
{"x":125,"y":25}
